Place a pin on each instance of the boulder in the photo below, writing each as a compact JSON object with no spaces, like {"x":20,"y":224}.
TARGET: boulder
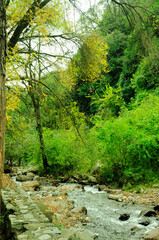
{"x":22,"y":178}
{"x":64,"y":179}
{"x":114,"y":191}
{"x":152,"y":235}
{"x":144,"y":222}
{"x":102,"y":188}
{"x":116,"y":197}
{"x":34,"y":169}
{"x":124,"y":217}
{"x":8,"y":169}
{"x":150,"y":213}
{"x":45,"y":210}
{"x":92,"y":179}
{"x":156,"y":208}
{"x":30,"y":185}
{"x":31,"y":175}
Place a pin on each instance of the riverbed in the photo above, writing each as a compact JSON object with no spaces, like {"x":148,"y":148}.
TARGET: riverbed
{"x":104,"y":215}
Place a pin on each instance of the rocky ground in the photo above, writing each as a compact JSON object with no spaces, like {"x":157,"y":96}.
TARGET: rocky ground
{"x":64,"y":215}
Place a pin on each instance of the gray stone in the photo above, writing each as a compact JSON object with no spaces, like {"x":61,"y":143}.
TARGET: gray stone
{"x":92,"y":179}
{"x":22,"y":178}
{"x":115,"y":197}
{"x":83,"y":235}
{"x":114,"y":191}
{"x":22,"y":237}
{"x":54,"y":230}
{"x":30,"y":185}
{"x":23,"y":211}
{"x":44,"y":237}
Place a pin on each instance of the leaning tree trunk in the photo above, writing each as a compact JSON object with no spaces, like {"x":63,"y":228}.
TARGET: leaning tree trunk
{"x":2,"y":86}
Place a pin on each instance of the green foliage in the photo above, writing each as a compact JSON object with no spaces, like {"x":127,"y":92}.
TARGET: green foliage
{"x":113,"y":79}
{"x":65,"y":151}
{"x":129,"y":145}
{"x":147,"y":74}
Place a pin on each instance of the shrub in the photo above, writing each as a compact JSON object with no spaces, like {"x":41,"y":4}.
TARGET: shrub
{"x":130,"y":143}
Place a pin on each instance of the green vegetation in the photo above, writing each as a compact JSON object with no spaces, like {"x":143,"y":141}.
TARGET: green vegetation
{"x":102,"y":109}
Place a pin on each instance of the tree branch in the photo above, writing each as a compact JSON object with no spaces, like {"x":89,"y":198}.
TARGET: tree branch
{"x":25,"y":21}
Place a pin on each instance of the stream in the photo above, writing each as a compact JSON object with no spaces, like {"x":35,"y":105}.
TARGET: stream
{"x":104,"y":215}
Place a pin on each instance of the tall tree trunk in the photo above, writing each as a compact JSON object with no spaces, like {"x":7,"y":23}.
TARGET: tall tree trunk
{"x":35,"y":100}
{"x":2,"y":86}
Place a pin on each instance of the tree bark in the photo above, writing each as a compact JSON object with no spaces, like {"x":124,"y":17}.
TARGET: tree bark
{"x":36,"y":105}
{"x":2,"y":87}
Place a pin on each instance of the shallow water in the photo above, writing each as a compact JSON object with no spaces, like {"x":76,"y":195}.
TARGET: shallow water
{"x":104,"y":215}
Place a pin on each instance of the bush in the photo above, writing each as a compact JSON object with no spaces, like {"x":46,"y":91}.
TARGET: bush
{"x":130,"y":143}
{"x":65,"y":151}
{"x":147,"y":74}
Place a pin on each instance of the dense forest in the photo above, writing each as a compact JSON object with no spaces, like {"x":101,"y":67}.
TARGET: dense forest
{"x":85,"y":99}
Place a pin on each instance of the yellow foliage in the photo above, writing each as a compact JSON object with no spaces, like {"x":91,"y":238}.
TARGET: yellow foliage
{"x":94,"y":58}
{"x":12,"y":104}
{"x":89,"y":63}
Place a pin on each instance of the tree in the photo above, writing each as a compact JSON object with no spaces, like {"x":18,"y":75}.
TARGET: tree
{"x":2,"y":87}
{"x":31,"y":30}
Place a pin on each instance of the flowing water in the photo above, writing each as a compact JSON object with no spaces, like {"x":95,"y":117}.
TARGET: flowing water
{"x":104,"y":214}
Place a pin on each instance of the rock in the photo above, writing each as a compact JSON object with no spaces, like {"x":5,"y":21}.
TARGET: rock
{"x":64,"y":179}
{"x":66,"y":188}
{"x":124,"y":217}
{"x":152,"y":235}
{"x":30,"y":175}
{"x":10,"y":208}
{"x":92,"y":179}
{"x":44,"y":209}
{"x":156,"y":208}
{"x":116,"y":197}
{"x":44,"y":237}
{"x":83,"y":235}
{"x":150,"y":213}
{"x":8,"y":169}
{"x":102,"y":188}
{"x":30,"y":185}
{"x":84,"y":182}
{"x":72,"y":180}
{"x":53,"y":231}
{"x":22,"y":178}
{"x":145,"y":222}
{"x":34,"y":169}
{"x":80,"y":209}
{"x":36,"y":178}
{"x":114,"y":191}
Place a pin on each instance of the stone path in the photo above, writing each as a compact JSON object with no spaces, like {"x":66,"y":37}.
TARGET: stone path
{"x":26,"y":221}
